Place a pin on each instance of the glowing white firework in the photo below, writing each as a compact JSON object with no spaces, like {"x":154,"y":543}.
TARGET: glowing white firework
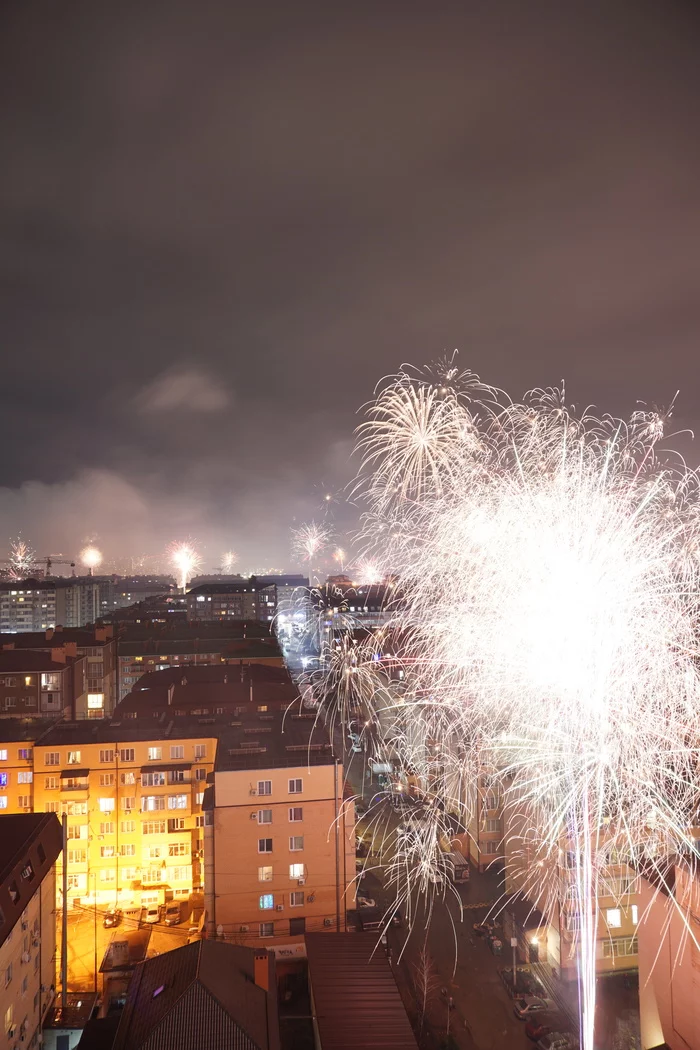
{"x":550,"y":596}
{"x":228,"y":560}
{"x":22,"y":559}
{"x":309,"y":541}
{"x":366,"y":572}
{"x":186,"y":561}
{"x":339,"y":556}
{"x":91,"y":558}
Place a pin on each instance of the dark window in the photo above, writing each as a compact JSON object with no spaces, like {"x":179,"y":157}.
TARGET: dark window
{"x":297,"y":926}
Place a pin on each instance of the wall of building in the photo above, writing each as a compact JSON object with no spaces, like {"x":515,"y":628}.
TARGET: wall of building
{"x":27,"y":968}
{"x":242,"y":818}
{"x":669,"y":965}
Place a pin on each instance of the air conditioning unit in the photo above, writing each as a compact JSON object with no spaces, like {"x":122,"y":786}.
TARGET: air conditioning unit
{"x":253,"y":816}
{"x":279,"y":907}
{"x":301,"y":881}
{"x":253,"y":791}
{"x":243,"y":929}
{"x":311,"y":898}
{"x":26,"y":957}
{"x":327,"y":922}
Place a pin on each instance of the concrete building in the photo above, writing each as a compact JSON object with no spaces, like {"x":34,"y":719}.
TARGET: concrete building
{"x":133,"y":796}
{"x":27,"y":605}
{"x":238,"y":598}
{"x":30,"y":846}
{"x":96,"y":644}
{"x":48,"y":684}
{"x":669,"y":961}
{"x":279,"y":838}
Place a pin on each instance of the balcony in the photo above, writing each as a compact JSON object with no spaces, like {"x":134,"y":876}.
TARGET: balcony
{"x":75,"y":779}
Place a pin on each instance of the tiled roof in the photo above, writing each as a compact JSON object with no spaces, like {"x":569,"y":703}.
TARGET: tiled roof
{"x":200,"y":995}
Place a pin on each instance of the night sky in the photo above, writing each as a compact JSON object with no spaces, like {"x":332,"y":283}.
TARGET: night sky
{"x":222,"y":223}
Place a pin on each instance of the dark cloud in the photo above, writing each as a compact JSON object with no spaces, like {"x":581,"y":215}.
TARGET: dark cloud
{"x":292,"y":199}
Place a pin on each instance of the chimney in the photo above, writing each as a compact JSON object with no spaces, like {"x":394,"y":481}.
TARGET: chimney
{"x":262,"y":968}
{"x":49,"y":634}
{"x":58,"y":655}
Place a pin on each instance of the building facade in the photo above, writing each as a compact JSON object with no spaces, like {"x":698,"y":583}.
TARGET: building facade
{"x":50,"y":684}
{"x":279,"y":843}
{"x":31,"y":845}
{"x":133,"y":798}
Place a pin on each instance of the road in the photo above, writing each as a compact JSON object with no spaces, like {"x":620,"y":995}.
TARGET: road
{"x":82,"y":945}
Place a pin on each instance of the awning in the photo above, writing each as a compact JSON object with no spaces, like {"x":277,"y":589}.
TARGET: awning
{"x":65,"y":773}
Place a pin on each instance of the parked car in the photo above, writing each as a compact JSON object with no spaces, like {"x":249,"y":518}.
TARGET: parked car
{"x":112,"y":917}
{"x":152,"y":913}
{"x":530,"y":1005}
{"x":173,"y":916}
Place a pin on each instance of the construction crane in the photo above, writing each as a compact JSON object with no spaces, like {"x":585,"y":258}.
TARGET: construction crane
{"x":56,"y":559}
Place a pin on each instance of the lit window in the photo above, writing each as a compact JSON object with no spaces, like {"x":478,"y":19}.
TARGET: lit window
{"x":635,"y":914}
{"x":265,"y":873}
{"x":3,"y":801}
{"x":613,"y":917}
{"x":296,"y":871}
{"x":177,"y":751}
{"x":266,"y":901}
{"x":155,"y":754}
{"x":3,"y":754}
{"x":95,"y":701}
{"x":106,"y":805}
{"x":177,"y":801}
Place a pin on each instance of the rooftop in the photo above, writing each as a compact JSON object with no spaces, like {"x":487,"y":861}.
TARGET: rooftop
{"x":273,"y":740}
{"x":82,"y":636}
{"x":115,"y":731}
{"x":202,"y":994}
{"x":29,"y":660}
{"x":357,"y":1003}
{"x":21,"y":729}
{"x":210,"y":674}
{"x":31,"y":842}
{"x":79,"y":1007}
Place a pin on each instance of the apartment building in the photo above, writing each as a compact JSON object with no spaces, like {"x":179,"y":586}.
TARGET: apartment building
{"x":31,"y":844}
{"x":27,"y":605}
{"x":163,"y":652}
{"x":47,"y":684}
{"x":279,"y":845}
{"x":96,"y":644}
{"x":547,"y":881}
{"x":256,"y":598}
{"x":669,"y":960}
{"x":484,"y":815}
{"x":133,"y":797}
{"x":17,"y":739}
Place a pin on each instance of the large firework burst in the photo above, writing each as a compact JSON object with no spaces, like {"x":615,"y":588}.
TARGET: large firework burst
{"x":22,"y":559}
{"x":186,"y":560}
{"x":548,"y":612}
{"x":310,"y":541}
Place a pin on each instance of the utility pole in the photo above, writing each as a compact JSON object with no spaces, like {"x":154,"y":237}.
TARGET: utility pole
{"x":337,"y":848}
{"x":94,"y":891}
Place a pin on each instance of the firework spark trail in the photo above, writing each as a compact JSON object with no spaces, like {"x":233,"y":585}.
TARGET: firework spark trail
{"x":548,"y":609}
{"x":186,"y":560}
{"x":228,"y":560}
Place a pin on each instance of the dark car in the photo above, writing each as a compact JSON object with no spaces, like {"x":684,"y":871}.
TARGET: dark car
{"x":112,"y":917}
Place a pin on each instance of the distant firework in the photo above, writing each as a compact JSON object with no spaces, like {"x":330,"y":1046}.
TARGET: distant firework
{"x":186,"y":561}
{"x":339,"y":556}
{"x":22,"y":559}
{"x":91,"y":558}
{"x":228,"y":560}
{"x":367,"y":573}
{"x":309,"y":541}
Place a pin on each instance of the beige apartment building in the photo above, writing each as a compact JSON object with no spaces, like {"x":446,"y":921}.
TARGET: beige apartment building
{"x":279,"y":838}
{"x":30,"y":845}
{"x":133,"y":797}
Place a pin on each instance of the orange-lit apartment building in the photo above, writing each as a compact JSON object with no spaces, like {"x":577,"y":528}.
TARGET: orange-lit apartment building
{"x":279,"y":842}
{"x":133,"y":797}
